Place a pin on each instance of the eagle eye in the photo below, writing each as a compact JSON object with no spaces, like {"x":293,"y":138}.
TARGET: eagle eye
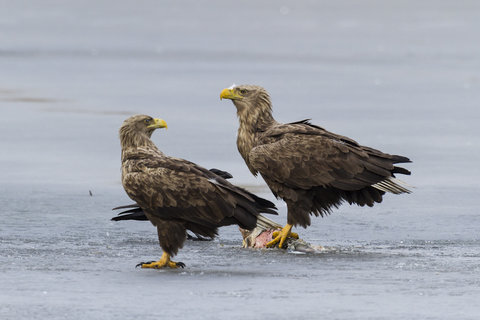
{"x":147,"y":121}
{"x":243,"y":91}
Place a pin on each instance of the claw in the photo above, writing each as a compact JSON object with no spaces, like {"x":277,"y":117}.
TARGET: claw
{"x":142,"y":263}
{"x":293,"y":235}
{"x":281,"y":236}
{"x":163,"y":262}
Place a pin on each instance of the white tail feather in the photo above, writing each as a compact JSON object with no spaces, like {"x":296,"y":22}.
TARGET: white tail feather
{"x":392,"y":185}
{"x":266,"y":223}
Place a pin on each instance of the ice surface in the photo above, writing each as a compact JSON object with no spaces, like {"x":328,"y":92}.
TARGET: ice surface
{"x":401,"y":76}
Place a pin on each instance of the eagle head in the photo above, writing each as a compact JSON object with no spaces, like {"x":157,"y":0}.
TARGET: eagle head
{"x":139,"y":128}
{"x":141,"y":123}
{"x":247,"y":97}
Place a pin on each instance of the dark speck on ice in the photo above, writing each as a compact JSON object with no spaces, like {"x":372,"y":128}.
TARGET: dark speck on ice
{"x":399,"y":76}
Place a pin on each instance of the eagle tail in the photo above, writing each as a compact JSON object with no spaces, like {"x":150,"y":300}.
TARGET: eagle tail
{"x":265,"y":223}
{"x":135,"y":213}
{"x":393,"y":185}
{"x":247,"y":212}
{"x":263,"y":205}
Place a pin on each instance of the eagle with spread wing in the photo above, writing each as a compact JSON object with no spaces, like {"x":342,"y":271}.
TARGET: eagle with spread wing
{"x":311,"y":169}
{"x":177,"y":195}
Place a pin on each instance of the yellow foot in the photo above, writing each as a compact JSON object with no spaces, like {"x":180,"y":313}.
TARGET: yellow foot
{"x":163,"y":262}
{"x":293,"y":235}
{"x":281,"y":236}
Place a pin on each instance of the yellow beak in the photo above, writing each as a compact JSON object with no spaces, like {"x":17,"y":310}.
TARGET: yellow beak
{"x":157,"y":124}
{"x":229,"y":94}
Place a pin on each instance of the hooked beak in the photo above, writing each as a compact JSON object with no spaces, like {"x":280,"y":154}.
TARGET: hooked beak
{"x":158,"y":124}
{"x":230,"y":93}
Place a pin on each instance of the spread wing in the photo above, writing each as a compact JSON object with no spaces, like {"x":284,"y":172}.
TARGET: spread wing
{"x":300,"y":155}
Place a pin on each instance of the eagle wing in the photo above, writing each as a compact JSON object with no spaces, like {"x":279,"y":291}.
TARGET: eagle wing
{"x":176,"y":189}
{"x":301,"y":156}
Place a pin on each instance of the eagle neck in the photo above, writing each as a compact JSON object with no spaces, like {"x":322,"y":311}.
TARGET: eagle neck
{"x":134,"y":141}
{"x":253,"y":121}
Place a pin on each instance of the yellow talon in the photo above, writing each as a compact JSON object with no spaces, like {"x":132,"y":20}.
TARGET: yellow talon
{"x":281,"y":236}
{"x":163,"y":262}
{"x":293,"y":235}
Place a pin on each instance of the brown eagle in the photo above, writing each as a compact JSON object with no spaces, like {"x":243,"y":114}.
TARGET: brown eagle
{"x":311,"y":169}
{"x":177,"y":195}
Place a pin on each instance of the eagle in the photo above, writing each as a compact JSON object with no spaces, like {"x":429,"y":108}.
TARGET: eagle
{"x":177,"y":195}
{"x":311,"y":169}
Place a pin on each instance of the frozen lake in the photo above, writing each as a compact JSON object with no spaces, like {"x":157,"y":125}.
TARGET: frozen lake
{"x":400,"y":76}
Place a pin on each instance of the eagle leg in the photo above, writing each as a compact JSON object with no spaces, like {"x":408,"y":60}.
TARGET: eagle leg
{"x":281,"y":236}
{"x":163,"y":262}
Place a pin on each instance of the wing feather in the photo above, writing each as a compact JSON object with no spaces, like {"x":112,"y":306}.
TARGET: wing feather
{"x":303,"y":156}
{"x":180,"y":195}
{"x":173,"y":188}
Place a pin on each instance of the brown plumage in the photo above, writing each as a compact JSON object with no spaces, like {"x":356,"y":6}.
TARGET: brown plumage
{"x":311,"y":169}
{"x":177,"y":195}
{"x":135,"y":212}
